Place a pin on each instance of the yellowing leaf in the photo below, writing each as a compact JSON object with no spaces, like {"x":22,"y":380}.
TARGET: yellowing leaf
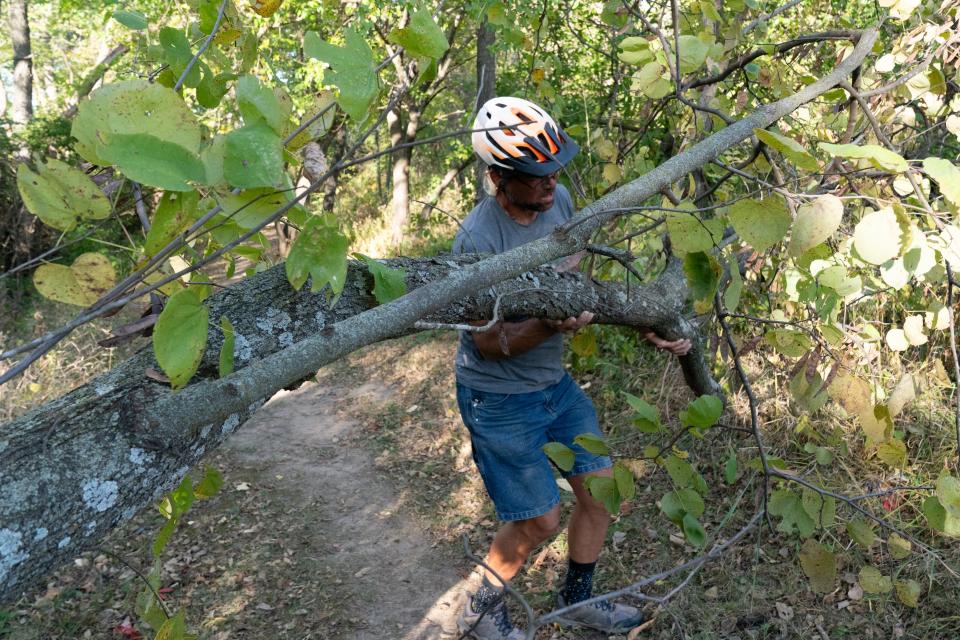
{"x":904,"y":392}
{"x":878,"y":236}
{"x":876,"y":424}
{"x":761,"y":223}
{"x":320,"y":252}
{"x":872,"y":581}
{"x":879,"y":157}
{"x":81,"y":284}
{"x":689,"y":233}
{"x":612,"y":173}
{"x":913,"y":330}
{"x":947,"y":176}
{"x":909,"y":592}
{"x":893,"y":453}
{"x":899,"y":547}
{"x":815,"y":222}
{"x":693,"y":53}
{"x":948,"y":493}
{"x":265,"y":8}
{"x":897,"y":340}
{"x":819,"y":565}
{"x":59,"y":194}
{"x":852,"y":393}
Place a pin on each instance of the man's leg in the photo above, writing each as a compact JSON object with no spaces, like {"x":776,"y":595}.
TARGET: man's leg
{"x":515,"y":540}
{"x":589,"y":522}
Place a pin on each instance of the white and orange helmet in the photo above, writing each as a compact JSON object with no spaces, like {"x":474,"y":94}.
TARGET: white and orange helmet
{"x":532,"y":142}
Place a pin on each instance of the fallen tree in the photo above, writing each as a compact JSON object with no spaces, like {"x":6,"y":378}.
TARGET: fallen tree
{"x":76,"y":467}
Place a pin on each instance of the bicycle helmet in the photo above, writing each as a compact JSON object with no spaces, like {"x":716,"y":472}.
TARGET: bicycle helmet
{"x":533,"y":144}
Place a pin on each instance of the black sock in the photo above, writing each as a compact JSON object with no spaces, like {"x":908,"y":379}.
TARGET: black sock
{"x":485,"y":596}
{"x":579,"y":581}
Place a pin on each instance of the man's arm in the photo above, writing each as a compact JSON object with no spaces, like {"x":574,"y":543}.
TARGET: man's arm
{"x":507,"y":339}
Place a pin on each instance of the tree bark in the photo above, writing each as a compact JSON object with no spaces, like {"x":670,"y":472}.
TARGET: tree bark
{"x":77,"y":466}
{"x":22,"y":99}
{"x":486,"y":84}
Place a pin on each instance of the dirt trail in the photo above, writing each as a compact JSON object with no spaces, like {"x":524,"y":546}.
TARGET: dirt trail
{"x":401,"y":585}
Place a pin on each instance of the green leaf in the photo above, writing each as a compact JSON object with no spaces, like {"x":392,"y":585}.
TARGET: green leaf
{"x":703,"y":275}
{"x":947,"y":176}
{"x":646,"y":417}
{"x":909,"y":592}
{"x":422,"y":37}
{"x":173,"y":629}
{"x":790,"y":148}
{"x":879,"y":157}
{"x":212,"y":87}
{"x":561,"y":455}
{"x":730,"y":469}
{"x":681,"y":501}
{"x":938,"y":518}
{"x":253,"y":157}
{"x":821,"y":509}
{"x":761,"y":223}
{"x":131,"y":19}
{"x":693,"y":53}
{"x":163,"y":537}
{"x":226,"y":350}
{"x":592,"y":443}
{"x":604,"y":490}
{"x":693,"y":531}
{"x":320,"y":252}
{"x":861,"y":532}
{"x":680,"y":471}
{"x":353,"y":70}
{"x":251,"y":207}
{"x":815,"y":222}
{"x":176,"y":211}
{"x":703,"y":412}
{"x":180,"y":336}
{"x":133,"y":107}
{"x":60,"y":194}
{"x":210,"y":485}
{"x":709,"y":11}
{"x":689,"y":233}
{"x":176,"y":49}
{"x":824,"y":456}
{"x":878,"y":236}
{"x":82,"y":283}
{"x":388,"y":284}
{"x":154,"y":162}
{"x":820,"y":566}
{"x":731,"y":295}
{"x":626,"y":486}
{"x":948,"y":493}
{"x":794,"y":519}
{"x":258,"y":102}
{"x":793,"y":344}
{"x":872,"y":581}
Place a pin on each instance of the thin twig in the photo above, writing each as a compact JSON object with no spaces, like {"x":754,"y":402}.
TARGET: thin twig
{"x":953,"y":351}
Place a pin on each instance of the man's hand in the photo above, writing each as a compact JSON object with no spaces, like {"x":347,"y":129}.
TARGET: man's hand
{"x":571,"y":324}
{"x":676,"y":347}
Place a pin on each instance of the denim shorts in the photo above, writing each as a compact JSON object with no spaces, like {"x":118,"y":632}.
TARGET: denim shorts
{"x":508,"y":431}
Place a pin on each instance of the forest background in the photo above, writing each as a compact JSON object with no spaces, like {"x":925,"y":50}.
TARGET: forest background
{"x":153,"y":152}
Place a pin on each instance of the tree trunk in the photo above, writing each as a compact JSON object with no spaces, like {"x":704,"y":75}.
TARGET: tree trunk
{"x":77,"y":466}
{"x":486,"y":85}
{"x":22,"y":99}
{"x":400,"y":197}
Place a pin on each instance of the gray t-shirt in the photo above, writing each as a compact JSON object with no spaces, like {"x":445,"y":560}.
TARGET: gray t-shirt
{"x":488,"y":229}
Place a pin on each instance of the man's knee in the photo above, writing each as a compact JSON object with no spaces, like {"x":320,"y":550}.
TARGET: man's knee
{"x":542,"y":527}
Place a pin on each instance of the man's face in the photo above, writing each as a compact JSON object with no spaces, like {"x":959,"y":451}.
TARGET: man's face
{"x":533,"y":193}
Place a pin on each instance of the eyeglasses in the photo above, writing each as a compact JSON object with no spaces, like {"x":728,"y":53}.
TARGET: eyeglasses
{"x":536,"y":181}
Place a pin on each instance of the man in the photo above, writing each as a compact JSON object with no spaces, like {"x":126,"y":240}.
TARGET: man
{"x":513,"y":392}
